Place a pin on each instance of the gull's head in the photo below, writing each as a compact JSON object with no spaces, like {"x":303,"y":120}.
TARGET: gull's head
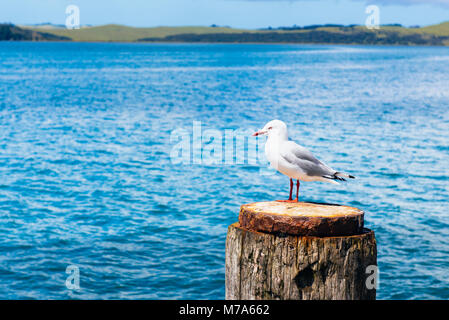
{"x":273,"y":128}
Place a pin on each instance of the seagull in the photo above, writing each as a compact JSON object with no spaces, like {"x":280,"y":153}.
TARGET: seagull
{"x":293,"y":160}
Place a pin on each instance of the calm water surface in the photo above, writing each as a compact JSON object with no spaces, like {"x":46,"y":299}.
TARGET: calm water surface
{"x":86,"y":176}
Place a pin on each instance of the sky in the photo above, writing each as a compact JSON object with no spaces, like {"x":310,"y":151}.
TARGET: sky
{"x":235,"y":13}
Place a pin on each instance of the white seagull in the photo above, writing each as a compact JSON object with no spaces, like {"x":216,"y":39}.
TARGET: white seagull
{"x":293,"y":160}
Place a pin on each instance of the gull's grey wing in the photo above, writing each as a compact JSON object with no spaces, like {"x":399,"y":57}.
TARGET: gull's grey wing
{"x":300,"y":156}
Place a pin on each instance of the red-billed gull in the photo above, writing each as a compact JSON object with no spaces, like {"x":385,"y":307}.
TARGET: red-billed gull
{"x":294,"y":160}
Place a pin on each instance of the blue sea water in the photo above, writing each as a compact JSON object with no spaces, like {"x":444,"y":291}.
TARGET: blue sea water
{"x":86,"y":176}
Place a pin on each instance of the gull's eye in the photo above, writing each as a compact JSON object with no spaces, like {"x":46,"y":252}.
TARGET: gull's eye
{"x":270,"y":128}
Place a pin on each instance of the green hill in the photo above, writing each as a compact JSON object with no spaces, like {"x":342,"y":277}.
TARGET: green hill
{"x":332,"y":34}
{"x":10,"y":32}
{"x":441,"y":29}
{"x":118,"y":33}
{"x":380,"y":37}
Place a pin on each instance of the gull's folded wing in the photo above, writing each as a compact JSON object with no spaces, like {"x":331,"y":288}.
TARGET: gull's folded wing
{"x":300,"y":156}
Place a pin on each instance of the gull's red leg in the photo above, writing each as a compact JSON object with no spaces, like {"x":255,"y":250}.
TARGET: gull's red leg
{"x":290,"y":199}
{"x":291,"y":189}
{"x":297,"y":189}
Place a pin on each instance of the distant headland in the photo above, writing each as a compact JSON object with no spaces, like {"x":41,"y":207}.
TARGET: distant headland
{"x":393,"y":34}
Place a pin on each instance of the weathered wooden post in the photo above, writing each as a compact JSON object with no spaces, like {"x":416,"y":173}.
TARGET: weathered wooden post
{"x":300,"y":251}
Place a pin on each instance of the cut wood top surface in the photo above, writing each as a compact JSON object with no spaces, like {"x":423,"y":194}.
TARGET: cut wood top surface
{"x":302,"y":218}
{"x":304,"y":209}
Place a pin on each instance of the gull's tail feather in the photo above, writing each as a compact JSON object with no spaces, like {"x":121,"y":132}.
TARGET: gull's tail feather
{"x":333,"y":178}
{"x":340,"y":176}
{"x":343,"y":175}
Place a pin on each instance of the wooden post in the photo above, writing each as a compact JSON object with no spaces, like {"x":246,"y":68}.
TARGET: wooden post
{"x":300,"y":251}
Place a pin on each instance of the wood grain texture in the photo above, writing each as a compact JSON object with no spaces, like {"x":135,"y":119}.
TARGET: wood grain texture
{"x":268,"y":266}
{"x":302,"y":218}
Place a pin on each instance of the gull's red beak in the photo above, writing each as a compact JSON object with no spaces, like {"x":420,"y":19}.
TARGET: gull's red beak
{"x":258,"y":133}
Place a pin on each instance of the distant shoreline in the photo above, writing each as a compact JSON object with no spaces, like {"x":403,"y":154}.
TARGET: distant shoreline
{"x":390,"y":35}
